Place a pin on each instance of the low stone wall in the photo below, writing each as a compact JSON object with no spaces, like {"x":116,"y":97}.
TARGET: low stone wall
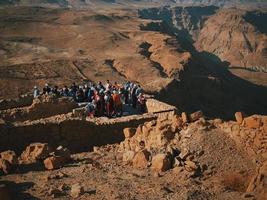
{"x":162,"y":110}
{"x":25,"y":100}
{"x":75,"y":133}
{"x":42,"y":107}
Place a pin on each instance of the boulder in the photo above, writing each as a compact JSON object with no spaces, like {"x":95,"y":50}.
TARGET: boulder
{"x":76,"y":190}
{"x":196,"y":116}
{"x":36,"y":151}
{"x":161,"y":162}
{"x":4,"y":192}
{"x":54,"y":162}
{"x":129,"y":132}
{"x":5,"y":166}
{"x":239,"y":116}
{"x":141,"y":159}
{"x":184,"y":117}
{"x":10,"y":156}
{"x":253,"y":121}
{"x":128,"y":156}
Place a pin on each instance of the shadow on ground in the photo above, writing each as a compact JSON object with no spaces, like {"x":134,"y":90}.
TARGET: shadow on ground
{"x":208,"y":85}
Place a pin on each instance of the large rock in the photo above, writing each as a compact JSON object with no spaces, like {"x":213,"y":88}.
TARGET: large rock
{"x":196,"y":116}
{"x":4,"y":193}
{"x":36,"y":151}
{"x":54,"y":162}
{"x":10,"y":156}
{"x":239,"y":116}
{"x":253,"y":121}
{"x":141,"y":159}
{"x":161,"y":162}
{"x":5,"y":166}
{"x":129,"y":132}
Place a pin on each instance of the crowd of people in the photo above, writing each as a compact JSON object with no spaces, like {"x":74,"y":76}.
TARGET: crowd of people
{"x":103,"y":99}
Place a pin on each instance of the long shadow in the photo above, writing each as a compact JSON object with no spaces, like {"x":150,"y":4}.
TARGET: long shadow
{"x":18,"y":191}
{"x":208,"y":85}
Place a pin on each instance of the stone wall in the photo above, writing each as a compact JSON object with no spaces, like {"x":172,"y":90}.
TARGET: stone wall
{"x":162,"y":110}
{"x":42,"y":107}
{"x":75,"y":133}
{"x":22,"y":101}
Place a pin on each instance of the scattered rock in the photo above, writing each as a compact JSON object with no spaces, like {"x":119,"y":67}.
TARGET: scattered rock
{"x":129,"y":132}
{"x":239,"y":116}
{"x":141,"y":159}
{"x":161,"y":162}
{"x":54,"y":162}
{"x":4,"y":193}
{"x":36,"y":151}
{"x":128,"y":156}
{"x":10,"y":156}
{"x":76,"y":190}
{"x":5,"y":166}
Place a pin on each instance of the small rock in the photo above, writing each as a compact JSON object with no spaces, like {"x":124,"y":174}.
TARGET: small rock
{"x":76,"y":190}
{"x":129,"y":132}
{"x":239,"y":116}
{"x":54,"y":162}
{"x":161,"y":162}
{"x":141,"y":159}
{"x":4,"y":193}
{"x":190,"y":165}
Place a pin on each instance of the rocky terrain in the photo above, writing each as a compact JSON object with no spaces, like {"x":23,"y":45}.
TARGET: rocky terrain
{"x":183,"y":157}
{"x":207,"y":59}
